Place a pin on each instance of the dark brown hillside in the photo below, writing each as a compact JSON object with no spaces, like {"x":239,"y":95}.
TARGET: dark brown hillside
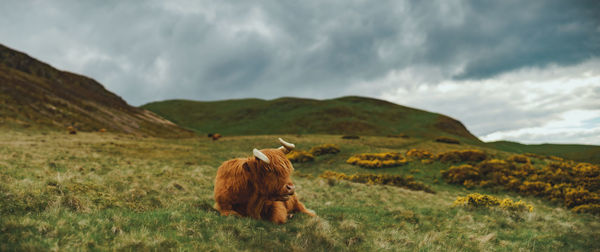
{"x":33,"y":93}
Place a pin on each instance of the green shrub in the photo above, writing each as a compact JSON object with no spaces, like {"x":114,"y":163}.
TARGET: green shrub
{"x":324,"y":149}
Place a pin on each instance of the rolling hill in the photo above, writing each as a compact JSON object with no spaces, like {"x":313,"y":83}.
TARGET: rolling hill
{"x":34,"y":94}
{"x":345,"y":115}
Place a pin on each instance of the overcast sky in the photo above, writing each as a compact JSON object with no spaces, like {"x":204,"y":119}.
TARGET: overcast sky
{"x":527,"y":71}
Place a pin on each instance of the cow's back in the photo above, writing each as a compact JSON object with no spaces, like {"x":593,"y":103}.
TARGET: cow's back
{"x":231,"y":183}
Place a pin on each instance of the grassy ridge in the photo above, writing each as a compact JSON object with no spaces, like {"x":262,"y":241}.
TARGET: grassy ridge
{"x":36,"y":95}
{"x":583,"y":153}
{"x":107,"y":191}
{"x":346,"y":115}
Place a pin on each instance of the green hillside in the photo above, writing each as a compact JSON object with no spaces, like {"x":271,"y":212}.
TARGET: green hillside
{"x":346,"y":115}
{"x":585,"y":153}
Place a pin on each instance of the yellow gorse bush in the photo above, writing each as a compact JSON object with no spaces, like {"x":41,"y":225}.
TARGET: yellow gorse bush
{"x":477,"y":200}
{"x":324,"y":149}
{"x":588,"y":208}
{"x":520,"y":159}
{"x":573,"y":184}
{"x":419,"y":154}
{"x":462,"y":156}
{"x":460,"y":174}
{"x":377,"y":160}
{"x":380,"y":179}
{"x":519,"y":206}
{"x":300,"y":156}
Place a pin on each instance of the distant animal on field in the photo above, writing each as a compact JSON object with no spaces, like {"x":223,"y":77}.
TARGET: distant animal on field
{"x":71,"y":130}
{"x":216,"y":136}
{"x":259,"y":186}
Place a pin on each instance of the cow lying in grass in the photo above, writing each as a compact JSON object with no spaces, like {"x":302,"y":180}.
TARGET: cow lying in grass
{"x":259,"y":186}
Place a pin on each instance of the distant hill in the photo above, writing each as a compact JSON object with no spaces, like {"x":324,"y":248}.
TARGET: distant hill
{"x":346,"y":115}
{"x":579,"y":152}
{"x":34,"y":94}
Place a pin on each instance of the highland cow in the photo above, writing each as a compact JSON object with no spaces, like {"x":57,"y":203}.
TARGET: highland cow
{"x":259,"y":186}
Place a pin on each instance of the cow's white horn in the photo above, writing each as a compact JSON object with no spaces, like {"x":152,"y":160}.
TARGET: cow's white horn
{"x":261,"y":156}
{"x":288,"y":146}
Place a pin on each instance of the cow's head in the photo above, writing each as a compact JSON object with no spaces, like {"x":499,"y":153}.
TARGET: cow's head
{"x":271,"y":172}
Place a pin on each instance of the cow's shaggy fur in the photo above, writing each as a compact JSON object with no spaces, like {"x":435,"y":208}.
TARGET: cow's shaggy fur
{"x":251,"y":187}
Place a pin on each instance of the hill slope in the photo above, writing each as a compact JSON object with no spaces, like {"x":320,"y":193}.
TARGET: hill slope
{"x":584,"y":153}
{"x":33,"y":93}
{"x":346,"y":115}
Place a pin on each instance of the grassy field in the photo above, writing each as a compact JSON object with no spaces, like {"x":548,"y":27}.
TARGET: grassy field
{"x":102,"y":191}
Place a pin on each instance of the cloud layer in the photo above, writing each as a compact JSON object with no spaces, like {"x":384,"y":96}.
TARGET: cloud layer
{"x":531,"y":105}
{"x":458,"y":51}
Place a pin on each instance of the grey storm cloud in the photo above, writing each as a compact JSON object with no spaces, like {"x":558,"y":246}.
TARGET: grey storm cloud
{"x":146,"y":51}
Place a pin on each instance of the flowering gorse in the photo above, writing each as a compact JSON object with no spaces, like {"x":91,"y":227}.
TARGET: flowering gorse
{"x":300,"y":156}
{"x":462,"y":156}
{"x":377,"y":160}
{"x":576,"y":185}
{"x":476,"y":200}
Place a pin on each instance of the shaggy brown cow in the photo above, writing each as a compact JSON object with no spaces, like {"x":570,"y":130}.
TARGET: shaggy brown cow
{"x":259,"y":186}
{"x":216,"y":136}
